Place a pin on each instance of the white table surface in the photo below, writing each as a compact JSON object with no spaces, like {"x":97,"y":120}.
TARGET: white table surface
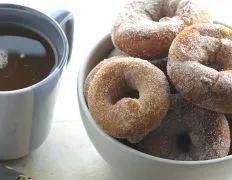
{"x":68,"y":154}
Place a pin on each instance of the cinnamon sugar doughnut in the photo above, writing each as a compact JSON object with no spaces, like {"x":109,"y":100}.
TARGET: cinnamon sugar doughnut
{"x":128,"y":97}
{"x":200,"y":64}
{"x":188,"y":133}
{"x":92,"y":74}
{"x":146,"y":28}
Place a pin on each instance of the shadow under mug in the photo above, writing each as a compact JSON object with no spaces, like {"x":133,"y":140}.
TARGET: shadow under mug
{"x":26,"y":114}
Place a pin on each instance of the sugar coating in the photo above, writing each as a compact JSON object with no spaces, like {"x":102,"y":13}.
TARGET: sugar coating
{"x":127,"y":117}
{"x":92,"y":74}
{"x":200,"y":65}
{"x":146,"y":28}
{"x":208,"y":131}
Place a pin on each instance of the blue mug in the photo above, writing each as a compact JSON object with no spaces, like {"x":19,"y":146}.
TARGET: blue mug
{"x":26,"y":114}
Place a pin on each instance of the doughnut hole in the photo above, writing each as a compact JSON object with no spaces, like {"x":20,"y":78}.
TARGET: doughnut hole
{"x":163,"y":11}
{"x":122,"y":90}
{"x":184,"y":142}
{"x":169,"y":10}
{"x":214,"y":62}
{"x":220,"y":58}
{"x":126,"y":92}
{"x":219,"y":50}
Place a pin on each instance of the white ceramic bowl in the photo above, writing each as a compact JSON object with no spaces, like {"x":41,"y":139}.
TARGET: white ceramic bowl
{"x":134,"y":164}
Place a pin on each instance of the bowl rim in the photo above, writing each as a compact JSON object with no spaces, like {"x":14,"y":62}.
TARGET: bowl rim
{"x":82,"y":102}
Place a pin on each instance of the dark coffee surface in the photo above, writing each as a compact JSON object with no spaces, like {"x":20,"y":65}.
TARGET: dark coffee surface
{"x":29,"y":57}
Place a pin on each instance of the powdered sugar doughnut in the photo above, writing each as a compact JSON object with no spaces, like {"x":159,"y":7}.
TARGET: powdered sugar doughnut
{"x":128,"y":97}
{"x":188,"y":132}
{"x":146,"y":28}
{"x":200,"y":64}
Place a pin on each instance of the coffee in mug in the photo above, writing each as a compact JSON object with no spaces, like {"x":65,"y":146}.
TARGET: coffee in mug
{"x":34,"y":51}
{"x":26,"y":57}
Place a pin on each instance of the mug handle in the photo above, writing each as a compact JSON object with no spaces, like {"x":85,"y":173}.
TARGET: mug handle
{"x":66,"y":20}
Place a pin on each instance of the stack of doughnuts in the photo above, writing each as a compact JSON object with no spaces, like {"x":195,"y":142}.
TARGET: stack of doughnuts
{"x":166,"y":87}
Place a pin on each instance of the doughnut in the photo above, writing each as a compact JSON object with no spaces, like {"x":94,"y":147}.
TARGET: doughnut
{"x":200,"y":64}
{"x":92,"y":74}
{"x":188,"y":132}
{"x":146,"y":28}
{"x":127,"y":97}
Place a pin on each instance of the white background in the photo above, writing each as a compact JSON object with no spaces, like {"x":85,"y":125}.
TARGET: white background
{"x":68,"y":154}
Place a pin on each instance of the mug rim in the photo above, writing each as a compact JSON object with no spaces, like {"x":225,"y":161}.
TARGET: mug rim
{"x":64,"y":57}
{"x":82,"y":102}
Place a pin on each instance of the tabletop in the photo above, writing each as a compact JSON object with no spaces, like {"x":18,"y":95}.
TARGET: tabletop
{"x":68,"y":153}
